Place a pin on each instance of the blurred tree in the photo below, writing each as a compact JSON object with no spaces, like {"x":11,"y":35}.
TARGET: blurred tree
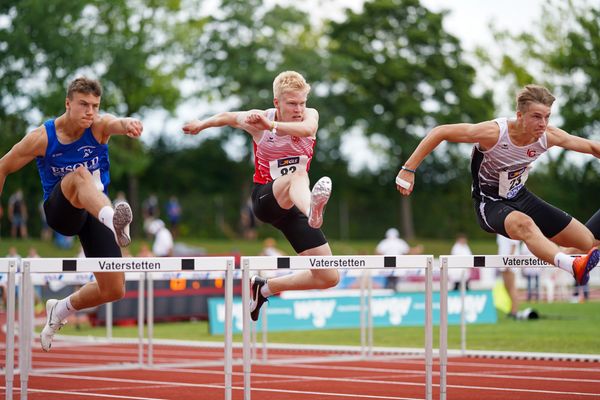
{"x":205,"y":180}
{"x":395,"y":72}
{"x":132,"y":47}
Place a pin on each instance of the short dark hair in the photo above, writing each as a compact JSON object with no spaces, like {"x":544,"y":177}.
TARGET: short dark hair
{"x":84,"y":85}
{"x":534,"y":94}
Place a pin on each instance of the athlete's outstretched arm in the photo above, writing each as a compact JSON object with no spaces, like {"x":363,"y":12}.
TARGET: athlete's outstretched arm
{"x":112,"y":125}
{"x":558,"y":137}
{"x":234,"y":119}
{"x":485,"y":133}
{"x":32,"y":145}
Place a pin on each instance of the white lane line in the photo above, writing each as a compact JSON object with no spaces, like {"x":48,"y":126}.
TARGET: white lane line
{"x":318,"y":378}
{"x":363,"y":369}
{"x":80,"y":394}
{"x":176,"y":384}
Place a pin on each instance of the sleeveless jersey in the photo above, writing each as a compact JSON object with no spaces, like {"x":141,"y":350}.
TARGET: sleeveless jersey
{"x":60,"y":159}
{"x":275,"y":156}
{"x":501,"y":172}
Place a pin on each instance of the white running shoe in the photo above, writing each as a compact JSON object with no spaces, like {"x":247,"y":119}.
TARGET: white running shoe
{"x":318,"y":199}
{"x":52,"y":326}
{"x":121,"y":220}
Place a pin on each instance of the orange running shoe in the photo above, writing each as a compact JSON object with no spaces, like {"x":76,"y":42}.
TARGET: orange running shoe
{"x":582,"y":266}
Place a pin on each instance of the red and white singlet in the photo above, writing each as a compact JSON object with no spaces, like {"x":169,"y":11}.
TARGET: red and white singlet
{"x":275,"y":156}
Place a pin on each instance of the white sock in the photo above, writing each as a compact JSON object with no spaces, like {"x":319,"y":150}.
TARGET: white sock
{"x":106,"y":217}
{"x":265,"y":290}
{"x":564,"y":262}
{"x":64,"y":308}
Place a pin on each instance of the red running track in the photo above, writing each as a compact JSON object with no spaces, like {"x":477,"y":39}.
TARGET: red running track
{"x":379,"y":378}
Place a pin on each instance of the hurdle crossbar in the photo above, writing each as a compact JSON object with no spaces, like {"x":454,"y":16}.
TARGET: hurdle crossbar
{"x":130,"y":264}
{"x":474,"y":261}
{"x":337,"y":262}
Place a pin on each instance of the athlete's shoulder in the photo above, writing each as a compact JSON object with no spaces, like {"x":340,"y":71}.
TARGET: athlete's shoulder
{"x":553,"y":131}
{"x":486,"y":133}
{"x":556,"y":136}
{"x":33,"y":144}
{"x":37,"y":138}
{"x":100,"y":127}
{"x":489,"y":127}
{"x":102,"y":121}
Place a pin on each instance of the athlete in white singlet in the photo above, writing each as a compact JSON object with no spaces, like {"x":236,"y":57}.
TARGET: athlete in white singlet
{"x":284,"y":139}
{"x":503,"y":152}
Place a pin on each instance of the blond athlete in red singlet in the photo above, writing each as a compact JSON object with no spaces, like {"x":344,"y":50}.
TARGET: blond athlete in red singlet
{"x":284,"y":139}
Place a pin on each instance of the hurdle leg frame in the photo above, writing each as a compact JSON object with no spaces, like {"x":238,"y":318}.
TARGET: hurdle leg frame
{"x":429,"y":329}
{"x":443,"y":351}
{"x":463,"y":319}
{"x":109,"y":320}
{"x":10,"y":329}
{"x":369,"y":314}
{"x":150,"y":320}
{"x":229,"y":330}
{"x":264,"y":325}
{"x":141,"y":290}
{"x":362,"y":315}
{"x":26,"y":328}
{"x":247,"y":368}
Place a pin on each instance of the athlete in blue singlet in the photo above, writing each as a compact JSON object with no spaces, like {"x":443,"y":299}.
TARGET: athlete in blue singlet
{"x":72,"y":157}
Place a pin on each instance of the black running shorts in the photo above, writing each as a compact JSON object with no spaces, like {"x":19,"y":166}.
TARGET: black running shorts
{"x":96,"y":239}
{"x":491,"y":214}
{"x":292,"y":222}
{"x":594,"y":225}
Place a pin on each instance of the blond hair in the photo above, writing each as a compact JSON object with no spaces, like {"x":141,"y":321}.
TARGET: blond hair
{"x":533,"y":94}
{"x":84,"y":85}
{"x":289,"y":81}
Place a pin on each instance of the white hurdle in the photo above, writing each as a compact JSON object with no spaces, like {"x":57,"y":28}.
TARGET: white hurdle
{"x":341,"y":263}
{"x":8,"y":266}
{"x":139,"y":265}
{"x":446,"y":262}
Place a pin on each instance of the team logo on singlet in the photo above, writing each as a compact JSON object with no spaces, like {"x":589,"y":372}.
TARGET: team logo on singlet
{"x":295,"y":139}
{"x":284,"y":162}
{"x":514,"y":174}
{"x":87,"y":150}
{"x":531,"y":152}
{"x":91,"y":165}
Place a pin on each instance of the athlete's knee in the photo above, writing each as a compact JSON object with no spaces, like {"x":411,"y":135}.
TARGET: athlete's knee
{"x":521,"y":225}
{"x":334,"y":279}
{"x":590,"y":240}
{"x":328,"y":278}
{"x":112,"y":293}
{"x":74,"y":180}
{"x":82,"y":173}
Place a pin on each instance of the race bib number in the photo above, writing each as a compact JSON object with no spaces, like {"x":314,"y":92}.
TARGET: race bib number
{"x":288,"y":165}
{"x":511,"y":182}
